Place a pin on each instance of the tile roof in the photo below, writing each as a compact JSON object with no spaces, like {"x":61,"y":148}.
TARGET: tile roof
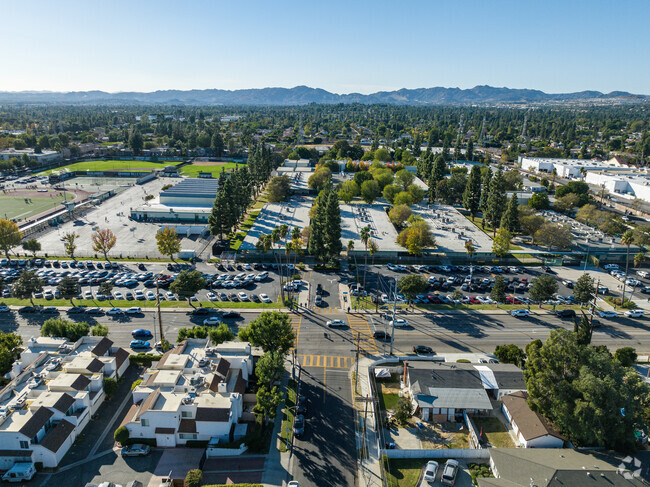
{"x":187,"y":426}
{"x":57,"y":436}
{"x":95,"y":366}
{"x":531,"y":425}
{"x":219,"y":415}
{"x":64,"y":402}
{"x":80,"y":383}
{"x":214,"y":383}
{"x":103,"y":346}
{"x":36,"y":422}
{"x":240,"y":384}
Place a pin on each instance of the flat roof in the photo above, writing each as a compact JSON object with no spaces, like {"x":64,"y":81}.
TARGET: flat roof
{"x":382,"y":231}
{"x":193,"y":187}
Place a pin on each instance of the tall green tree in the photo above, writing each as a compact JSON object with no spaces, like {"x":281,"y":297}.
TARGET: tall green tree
{"x":496,"y":202}
{"x":271,"y":331}
{"x":187,"y":284}
{"x":584,"y":289}
{"x":472,"y":193}
{"x":10,"y":236}
{"x":69,"y":288}
{"x":26,"y":285}
{"x":136,"y":142}
{"x":501,"y":244}
{"x":216,"y":144}
{"x":498,"y":292}
{"x":32,"y":245}
{"x":510,"y":218}
{"x":486,"y":178}
{"x":333,"y":226}
{"x":510,"y":354}
{"x":627,"y":239}
{"x":543,"y":288}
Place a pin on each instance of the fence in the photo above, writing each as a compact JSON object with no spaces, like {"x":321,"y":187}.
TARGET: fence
{"x":465,"y":454}
{"x":473,"y":436}
{"x":212,"y":452}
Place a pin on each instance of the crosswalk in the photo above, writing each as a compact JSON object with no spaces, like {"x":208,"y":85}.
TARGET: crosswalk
{"x":326,"y":361}
{"x":325,"y":311}
{"x":360,"y":327}
{"x":296,"y":322}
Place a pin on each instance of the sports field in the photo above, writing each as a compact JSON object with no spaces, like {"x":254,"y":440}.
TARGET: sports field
{"x":194,"y":170}
{"x":109,"y":166}
{"x":24,"y":204}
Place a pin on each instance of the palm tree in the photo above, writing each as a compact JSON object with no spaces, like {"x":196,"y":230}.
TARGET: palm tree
{"x":639,"y":259}
{"x":626,"y":239}
{"x":349,"y":247}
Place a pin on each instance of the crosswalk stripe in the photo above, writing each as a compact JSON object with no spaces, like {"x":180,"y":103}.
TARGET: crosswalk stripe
{"x":325,"y":361}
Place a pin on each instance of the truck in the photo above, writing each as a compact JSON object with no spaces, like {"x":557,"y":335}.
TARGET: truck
{"x":20,"y":472}
{"x":187,"y":254}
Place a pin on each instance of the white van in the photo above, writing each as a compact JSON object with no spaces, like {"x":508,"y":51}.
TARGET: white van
{"x":20,"y":472}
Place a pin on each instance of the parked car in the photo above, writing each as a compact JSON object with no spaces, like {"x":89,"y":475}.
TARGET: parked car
{"x":449,"y":472}
{"x":114,"y":312}
{"x":134,"y":310}
{"x":431,"y":471}
{"x":136,"y":450}
{"x":139,"y":344}
{"x":212,"y":320}
{"x":422,"y":350}
{"x":265,"y":298}
{"x":141,"y":333}
{"x":566,"y":313}
{"x":299,"y":426}
{"x":608,"y":314}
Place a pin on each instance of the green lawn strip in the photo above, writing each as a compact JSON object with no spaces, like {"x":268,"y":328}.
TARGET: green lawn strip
{"x":506,"y":307}
{"x":14,"y":207}
{"x":404,"y":472}
{"x":101,"y":165}
{"x":193,"y":171}
{"x":495,"y":432}
{"x":239,"y":237}
{"x":142,"y":304}
{"x":288,"y":414}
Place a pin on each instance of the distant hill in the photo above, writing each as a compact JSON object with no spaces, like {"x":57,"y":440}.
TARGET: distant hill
{"x":303,"y":95}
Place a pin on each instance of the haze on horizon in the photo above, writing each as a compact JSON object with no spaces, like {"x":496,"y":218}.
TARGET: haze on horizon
{"x":554,"y":46}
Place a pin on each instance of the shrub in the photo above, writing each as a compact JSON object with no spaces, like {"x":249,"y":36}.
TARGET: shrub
{"x":626,"y":356}
{"x":149,"y":197}
{"x":143,"y":359}
{"x":463,"y":361}
{"x":110,"y":387}
{"x":135,"y":384}
{"x":194,"y":478}
{"x":121,"y":435}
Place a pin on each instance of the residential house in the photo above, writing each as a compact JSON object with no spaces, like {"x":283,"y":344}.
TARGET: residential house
{"x":532,"y":430}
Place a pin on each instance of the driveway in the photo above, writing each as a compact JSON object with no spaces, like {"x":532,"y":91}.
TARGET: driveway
{"x":176,"y":462}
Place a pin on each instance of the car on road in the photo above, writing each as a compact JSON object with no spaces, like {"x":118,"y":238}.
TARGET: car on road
{"x":520,"y":313}
{"x":381,"y":335}
{"x":139,"y":344}
{"x":4,"y":308}
{"x":335,"y":323}
{"x":114,"y":312}
{"x":299,"y":426}
{"x":136,"y":450}
{"x":76,"y":310}
{"x":431,"y":471}
{"x":231,"y":314}
{"x":49,"y":310}
{"x":200,"y":311}
{"x":399,"y":323}
{"x":265,"y":298}
{"x":449,"y":472}
{"x":566,"y":313}
{"x":608,"y":314}
{"x":422,"y":350}
{"x":634,"y":313}
{"x":95,"y":311}
{"x":568,"y":283}
{"x":141,"y":333}
{"x":301,"y":404}
{"x":548,"y":270}
{"x":134,"y":310}
{"x":212,"y":320}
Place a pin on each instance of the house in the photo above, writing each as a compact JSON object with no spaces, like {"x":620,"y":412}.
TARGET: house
{"x":443,"y":391}
{"x":521,"y":467}
{"x":195,"y":392}
{"x":532,"y":430}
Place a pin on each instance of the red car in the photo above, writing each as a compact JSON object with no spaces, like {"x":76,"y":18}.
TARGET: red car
{"x":434,"y":299}
{"x":512,"y":300}
{"x":473,"y":300}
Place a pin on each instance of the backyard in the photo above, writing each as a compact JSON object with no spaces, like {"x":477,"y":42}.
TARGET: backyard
{"x":494,"y":432}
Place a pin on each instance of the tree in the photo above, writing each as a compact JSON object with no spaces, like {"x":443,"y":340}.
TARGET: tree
{"x":216,"y":143}
{"x":412,"y":285}
{"x":60,"y":327}
{"x":404,"y":178}
{"x":472,"y":193}
{"x":268,"y":401}
{"x":370,"y":191}
{"x":567,"y":203}
{"x":221,"y":334}
{"x":496,"y":202}
{"x":194,"y":478}
{"x":32,"y":245}
{"x":539,"y":201}
{"x":121,"y":435}
{"x":416,"y":237}
{"x":26,"y":285}
{"x":390,"y":191}
{"x":501,"y":244}
{"x":333,"y":226}
{"x":438,"y":171}
{"x":510,"y":354}
{"x":469,"y":152}
{"x":639,"y":259}
{"x":551,"y":235}
{"x":10,"y":236}
{"x":168,"y":241}
{"x":530,"y":224}
{"x":103,"y":241}
{"x":399,"y":214}
{"x":105,"y":288}
{"x":70,"y":243}
{"x":626,"y":356}
{"x":543,"y":288}
{"x":10,"y":348}
{"x":470,"y":249}
{"x":486,"y":178}
{"x":348,"y":190}
{"x":271,"y":331}
{"x":583,"y":330}
{"x":269,"y":369}
{"x":99,"y":330}
{"x":510,"y":218}
{"x":626,"y":239}
{"x":584,"y":289}
{"x":361,"y":177}
{"x":278,"y":189}
{"x":498,"y":292}
{"x":136,"y":142}
{"x":403,"y":410}
{"x":69,"y":288}
{"x":403,"y":198}
{"x":187,"y":284}
{"x":110,"y":387}
{"x":320,"y":178}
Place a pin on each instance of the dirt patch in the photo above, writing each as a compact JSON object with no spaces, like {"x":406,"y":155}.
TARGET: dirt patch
{"x":436,"y":436}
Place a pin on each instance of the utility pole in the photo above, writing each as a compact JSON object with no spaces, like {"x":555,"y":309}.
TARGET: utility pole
{"x":392,"y":330}
{"x":356,"y":375}
{"x":162,"y":337}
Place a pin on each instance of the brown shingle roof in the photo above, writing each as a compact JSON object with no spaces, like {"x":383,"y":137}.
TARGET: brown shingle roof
{"x":218,"y":415}
{"x":214,"y":383}
{"x":80,"y":383}
{"x":530,"y":424}
{"x":64,"y":402}
{"x":103,"y":346}
{"x":36,"y":422}
{"x":187,"y":426}
{"x":148,"y":402}
{"x":95,"y":366}
{"x":223,"y":367}
{"x":130,"y":415}
{"x":240,"y":384}
{"x":57,"y":436}
{"x":166,"y":431}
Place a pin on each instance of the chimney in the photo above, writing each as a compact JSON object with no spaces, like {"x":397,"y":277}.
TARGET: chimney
{"x":406,"y":367}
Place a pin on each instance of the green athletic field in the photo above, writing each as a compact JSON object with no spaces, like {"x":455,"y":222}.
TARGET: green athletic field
{"x":193,"y":171}
{"x":109,"y":166}
{"x":15,"y":206}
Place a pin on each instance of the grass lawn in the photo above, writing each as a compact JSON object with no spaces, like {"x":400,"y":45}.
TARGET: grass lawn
{"x":495,"y":432}
{"x":14,"y":207}
{"x":288,"y":414}
{"x":239,"y":237}
{"x":142,"y":304}
{"x":101,"y":165}
{"x":193,"y":171}
{"x":404,"y":472}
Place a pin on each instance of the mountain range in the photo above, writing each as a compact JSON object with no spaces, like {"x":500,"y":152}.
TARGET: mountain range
{"x":303,"y":95}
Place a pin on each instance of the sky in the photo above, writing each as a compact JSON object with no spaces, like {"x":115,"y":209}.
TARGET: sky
{"x":556,"y":46}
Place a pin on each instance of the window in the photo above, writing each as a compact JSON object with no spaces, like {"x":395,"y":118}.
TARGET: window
{"x":187,"y":436}
{"x":144,"y":422}
{"x":186,"y":414}
{"x":24,"y":445}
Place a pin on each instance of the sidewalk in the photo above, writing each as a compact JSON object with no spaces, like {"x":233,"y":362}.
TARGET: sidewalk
{"x":278,"y":465}
{"x":369,"y":473}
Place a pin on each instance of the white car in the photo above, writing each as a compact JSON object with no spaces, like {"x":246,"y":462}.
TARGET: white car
{"x":608,"y":314}
{"x":114,"y":312}
{"x":212,"y":320}
{"x":399,"y":323}
{"x":243,"y":296}
{"x":431,"y":471}
{"x":170,"y":296}
{"x":151,"y":296}
{"x":520,"y":313}
{"x":265,"y":298}
{"x":642,"y":273}
{"x":212,"y":296}
{"x":133,"y":311}
{"x":139,"y":295}
{"x":118,"y":295}
{"x":261,"y":276}
{"x":335,"y":323}
{"x":610,"y":267}
{"x":634,"y":313}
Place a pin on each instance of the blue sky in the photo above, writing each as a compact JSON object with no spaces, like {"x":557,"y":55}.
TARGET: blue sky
{"x":341,"y":46}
